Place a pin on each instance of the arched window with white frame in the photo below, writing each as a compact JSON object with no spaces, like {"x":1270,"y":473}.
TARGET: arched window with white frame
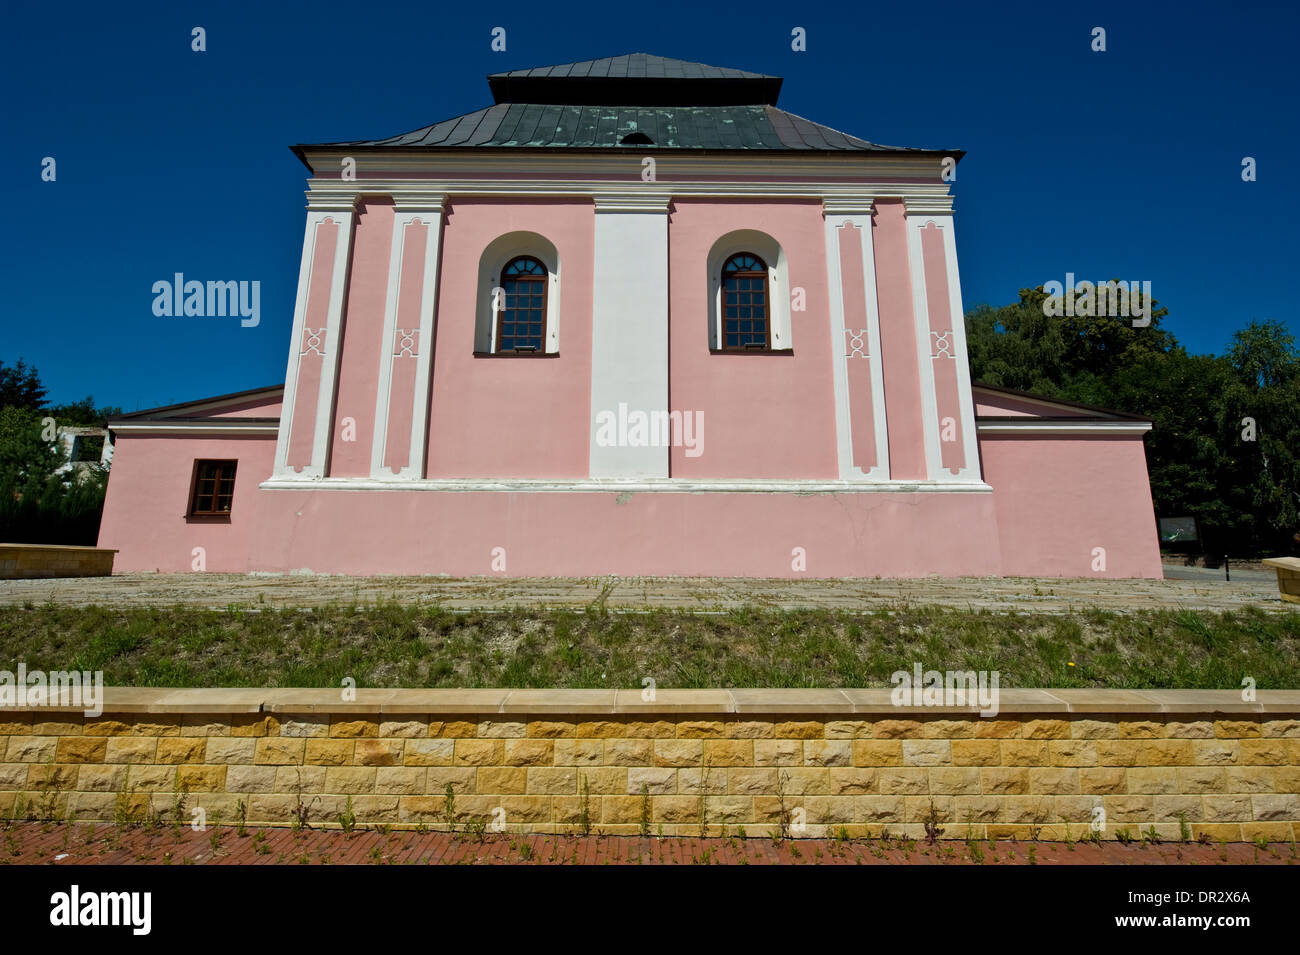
{"x":517,"y":311}
{"x":749,"y":295}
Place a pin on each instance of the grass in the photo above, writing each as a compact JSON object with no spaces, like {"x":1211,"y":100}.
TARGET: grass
{"x":399,"y":645}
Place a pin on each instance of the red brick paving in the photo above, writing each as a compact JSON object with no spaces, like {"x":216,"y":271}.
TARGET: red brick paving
{"x":34,"y":843}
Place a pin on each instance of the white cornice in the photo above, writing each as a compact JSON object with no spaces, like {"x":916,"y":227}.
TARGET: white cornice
{"x":849,"y":205}
{"x":627,"y":164}
{"x":854,"y":198}
{"x":632,"y":200}
{"x":328,"y":200}
{"x":927,"y":204}
{"x":1038,"y":426}
{"x":225,"y":426}
{"x":419,"y":202}
{"x":614,"y":486}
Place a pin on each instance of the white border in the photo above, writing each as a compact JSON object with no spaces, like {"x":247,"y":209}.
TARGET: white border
{"x":969,"y":470}
{"x":429,"y":211}
{"x":835,"y":220}
{"x":629,"y":325}
{"x":218,"y":427}
{"x":318,"y":466}
{"x":631,"y":485}
{"x":756,"y":242}
{"x":495,"y":256}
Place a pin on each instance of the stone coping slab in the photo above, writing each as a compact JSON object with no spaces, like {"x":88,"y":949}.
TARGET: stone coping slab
{"x":631,"y":702}
{"x":58,"y":548}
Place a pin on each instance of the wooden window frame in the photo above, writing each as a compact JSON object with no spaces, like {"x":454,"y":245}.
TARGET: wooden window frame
{"x":767,"y":306}
{"x":545,"y":281}
{"x":192,"y":509}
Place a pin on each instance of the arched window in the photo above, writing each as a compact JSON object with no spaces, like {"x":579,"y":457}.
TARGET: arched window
{"x":746,"y":320}
{"x":521,"y":314}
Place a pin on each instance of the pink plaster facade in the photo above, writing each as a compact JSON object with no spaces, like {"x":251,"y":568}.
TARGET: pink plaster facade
{"x":793,"y":436}
{"x":404,"y":442}
{"x":507,"y":417}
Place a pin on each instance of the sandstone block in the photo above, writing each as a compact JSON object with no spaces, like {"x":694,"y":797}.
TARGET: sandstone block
{"x":429,"y":752}
{"x":279,"y":751}
{"x":781,"y":752}
{"x":378,"y":752}
{"x":82,"y":749}
{"x":499,"y":730}
{"x":927,"y":752}
{"x":530,"y":752}
{"x":822,"y":752}
{"x":181,"y":749}
{"x":354,"y":729}
{"x":679,"y":752}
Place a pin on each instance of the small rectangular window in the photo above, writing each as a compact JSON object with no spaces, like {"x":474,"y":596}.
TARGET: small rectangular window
{"x":214,"y":488}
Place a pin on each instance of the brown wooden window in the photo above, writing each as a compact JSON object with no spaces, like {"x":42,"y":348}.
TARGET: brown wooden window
{"x":521,"y":322}
{"x":746,"y":320}
{"x":214,"y":488}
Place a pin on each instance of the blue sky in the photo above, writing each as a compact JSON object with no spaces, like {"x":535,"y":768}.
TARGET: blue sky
{"x":1121,"y":164}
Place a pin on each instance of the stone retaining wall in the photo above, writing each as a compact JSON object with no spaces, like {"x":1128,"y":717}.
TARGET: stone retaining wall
{"x":19,"y":561}
{"x":831,"y":758}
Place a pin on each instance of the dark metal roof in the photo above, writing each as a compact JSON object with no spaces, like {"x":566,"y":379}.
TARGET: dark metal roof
{"x":533,"y":125}
{"x":236,"y":397}
{"x":597,"y":104}
{"x":635,"y":65}
{"x":1097,"y":410}
{"x":635,"y":79}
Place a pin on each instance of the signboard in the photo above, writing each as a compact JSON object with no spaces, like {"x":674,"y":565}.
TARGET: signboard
{"x":1178,"y":530}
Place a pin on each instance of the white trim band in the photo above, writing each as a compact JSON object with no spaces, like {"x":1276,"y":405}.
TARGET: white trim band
{"x":665,"y":485}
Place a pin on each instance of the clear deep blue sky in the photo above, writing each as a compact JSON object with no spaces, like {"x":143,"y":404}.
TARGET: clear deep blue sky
{"x":1118,"y":164}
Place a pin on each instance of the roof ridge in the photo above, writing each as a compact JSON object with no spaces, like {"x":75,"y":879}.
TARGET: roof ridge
{"x":545,"y":71}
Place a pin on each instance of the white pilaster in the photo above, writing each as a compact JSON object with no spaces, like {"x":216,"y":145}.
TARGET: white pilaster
{"x":971,"y":467}
{"x":921,"y":212}
{"x":839,"y":213}
{"x":319,"y":210}
{"x":629,"y":336}
{"x":427,"y":209}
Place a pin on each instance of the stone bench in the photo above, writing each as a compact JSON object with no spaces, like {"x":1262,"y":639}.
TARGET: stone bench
{"x":19,"y":561}
{"x":1288,"y":576}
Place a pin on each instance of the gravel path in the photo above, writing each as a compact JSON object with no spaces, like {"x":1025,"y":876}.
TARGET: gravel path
{"x":1043,"y":595}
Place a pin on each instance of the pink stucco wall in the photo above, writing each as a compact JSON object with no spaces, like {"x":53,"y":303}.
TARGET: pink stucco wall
{"x":148,"y":498}
{"x":1059,"y":497}
{"x":593,"y":533}
{"x":363,"y":332}
{"x":765,"y":416}
{"x":898,"y":345}
{"x":1053,"y":501}
{"x":510,"y":416}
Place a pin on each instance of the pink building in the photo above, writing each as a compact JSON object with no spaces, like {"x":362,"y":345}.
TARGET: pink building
{"x":632,"y":319}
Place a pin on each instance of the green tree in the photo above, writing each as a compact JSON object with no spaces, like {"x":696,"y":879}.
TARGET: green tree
{"x":20,"y":387}
{"x":37,"y":505}
{"x":24,"y":452}
{"x":1203,"y":460}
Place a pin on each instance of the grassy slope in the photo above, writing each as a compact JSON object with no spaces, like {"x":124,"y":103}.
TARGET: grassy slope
{"x":402,"y":645}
